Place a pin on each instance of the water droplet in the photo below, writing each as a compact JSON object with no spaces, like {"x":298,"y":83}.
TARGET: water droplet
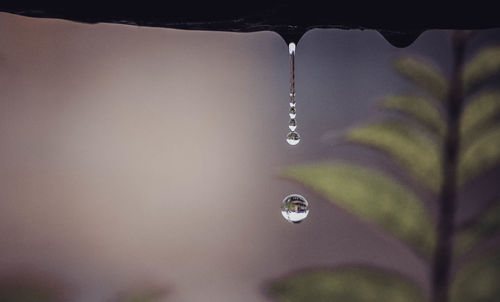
{"x":292,"y":100}
{"x":293,"y":138}
{"x":292,"y":112}
{"x":292,"y":124}
{"x":294,"y":208}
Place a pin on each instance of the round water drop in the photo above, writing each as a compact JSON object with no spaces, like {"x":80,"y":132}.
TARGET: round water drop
{"x":293,"y":138}
{"x":292,"y":112}
{"x":292,"y":124}
{"x":294,"y":208}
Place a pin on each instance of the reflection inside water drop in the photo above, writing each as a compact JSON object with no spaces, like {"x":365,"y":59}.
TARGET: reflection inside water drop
{"x":294,"y":208}
{"x":292,"y":124}
{"x":293,"y":138}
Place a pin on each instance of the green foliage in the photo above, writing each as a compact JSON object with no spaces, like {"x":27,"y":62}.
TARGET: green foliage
{"x":478,"y":281}
{"x":480,"y":155}
{"x":483,"y":228}
{"x":419,"y":109}
{"x":424,"y":75}
{"x":482,"y":66}
{"x":373,"y":196}
{"x":347,"y":284}
{"x":408,"y":146}
{"x":479,"y":113}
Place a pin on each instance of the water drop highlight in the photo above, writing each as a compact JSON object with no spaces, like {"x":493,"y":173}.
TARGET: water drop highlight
{"x":292,"y":100}
{"x":294,"y":208}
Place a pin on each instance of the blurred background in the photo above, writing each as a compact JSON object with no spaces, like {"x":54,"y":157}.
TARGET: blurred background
{"x":146,"y":164}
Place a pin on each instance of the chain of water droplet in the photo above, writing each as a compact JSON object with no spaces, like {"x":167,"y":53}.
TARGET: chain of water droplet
{"x":292,"y":137}
{"x":294,"y":207}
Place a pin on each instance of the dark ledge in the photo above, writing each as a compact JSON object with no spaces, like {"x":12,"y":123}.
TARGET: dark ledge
{"x":400,"y":25}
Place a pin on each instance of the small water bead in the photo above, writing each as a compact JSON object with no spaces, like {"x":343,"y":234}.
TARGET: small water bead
{"x":292,"y":124}
{"x":293,"y":138}
{"x":292,"y":112}
{"x":294,"y":208}
{"x":292,"y":100}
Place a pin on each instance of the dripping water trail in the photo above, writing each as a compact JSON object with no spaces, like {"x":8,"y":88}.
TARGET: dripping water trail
{"x":292,"y":138}
{"x":294,"y":207}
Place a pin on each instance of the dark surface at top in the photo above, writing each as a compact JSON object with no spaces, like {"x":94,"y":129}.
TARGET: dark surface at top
{"x":399,"y":24}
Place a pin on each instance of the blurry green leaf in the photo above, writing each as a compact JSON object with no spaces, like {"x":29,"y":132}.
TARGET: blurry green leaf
{"x":424,"y":75}
{"x":478,"y":281}
{"x":373,"y":196}
{"x":408,"y":146}
{"x":479,"y":113}
{"x":419,"y":109}
{"x":482,"y":154}
{"x":483,"y":65}
{"x":483,"y":228}
{"x":345,"y":285}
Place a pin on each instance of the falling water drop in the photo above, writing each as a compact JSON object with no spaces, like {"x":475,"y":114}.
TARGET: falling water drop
{"x":292,"y":112}
{"x":294,"y":208}
{"x":293,"y":138}
{"x":292,"y":124}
